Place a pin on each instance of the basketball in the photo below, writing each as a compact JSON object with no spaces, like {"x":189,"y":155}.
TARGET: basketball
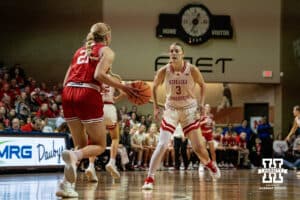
{"x":144,"y":93}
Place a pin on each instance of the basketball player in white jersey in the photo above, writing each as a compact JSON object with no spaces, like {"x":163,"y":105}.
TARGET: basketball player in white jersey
{"x":111,"y":122}
{"x":296,"y":124}
{"x":181,"y":106}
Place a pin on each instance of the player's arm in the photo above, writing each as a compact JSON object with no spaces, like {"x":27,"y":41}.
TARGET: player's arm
{"x":67,"y":75}
{"x":198,"y":78}
{"x":292,"y":131}
{"x":119,"y":93}
{"x":158,"y":80}
{"x":105,"y":63}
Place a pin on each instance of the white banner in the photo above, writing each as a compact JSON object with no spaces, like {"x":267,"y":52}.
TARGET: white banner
{"x":31,"y":151}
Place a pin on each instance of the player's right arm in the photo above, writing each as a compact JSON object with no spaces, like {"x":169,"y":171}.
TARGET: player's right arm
{"x":158,"y":80}
{"x":292,"y":131}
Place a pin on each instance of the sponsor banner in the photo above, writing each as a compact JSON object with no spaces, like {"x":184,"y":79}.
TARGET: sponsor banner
{"x":31,"y":151}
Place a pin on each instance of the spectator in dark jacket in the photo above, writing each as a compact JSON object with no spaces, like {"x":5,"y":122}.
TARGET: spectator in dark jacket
{"x":265,"y":134}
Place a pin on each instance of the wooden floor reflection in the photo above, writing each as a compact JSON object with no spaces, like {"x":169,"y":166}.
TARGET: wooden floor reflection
{"x":234,"y":184}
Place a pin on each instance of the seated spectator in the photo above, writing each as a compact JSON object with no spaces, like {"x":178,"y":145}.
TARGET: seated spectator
{"x":3,"y":118}
{"x":169,"y":157}
{"x":22,"y":110}
{"x":230,"y":149}
{"x":15,"y":126}
{"x":14,"y":87}
{"x":63,"y":128}
{"x":6,"y":100}
{"x":34,"y":126}
{"x":44,"y":87}
{"x":46,"y":128}
{"x":60,"y":119}
{"x":54,"y":109}
{"x":137,"y":144}
{"x":45,"y":112}
{"x":243,"y":151}
{"x":6,"y":91}
{"x":133,"y":120}
{"x":244,"y":128}
{"x":42,"y":98}
{"x":11,"y":115}
{"x":16,"y":72}
{"x":290,"y":155}
{"x":149,"y":120}
{"x":229,"y":128}
{"x":33,"y":103}
{"x":150,"y":143}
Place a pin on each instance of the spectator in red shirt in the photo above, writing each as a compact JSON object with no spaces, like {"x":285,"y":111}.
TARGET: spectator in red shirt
{"x":33,"y":126}
{"x":243,"y":151}
{"x":45,"y":112}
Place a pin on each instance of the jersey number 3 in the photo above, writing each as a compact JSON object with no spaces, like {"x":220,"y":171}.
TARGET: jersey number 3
{"x":178,"y":90}
{"x":82,"y":58}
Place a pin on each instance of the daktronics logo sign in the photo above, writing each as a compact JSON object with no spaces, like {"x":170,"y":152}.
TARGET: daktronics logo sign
{"x":15,"y":151}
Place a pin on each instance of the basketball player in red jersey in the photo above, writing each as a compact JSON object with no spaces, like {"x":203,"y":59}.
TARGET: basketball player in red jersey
{"x":82,"y":101}
{"x":207,"y":124}
{"x":111,"y":123}
{"x":181,"y":105}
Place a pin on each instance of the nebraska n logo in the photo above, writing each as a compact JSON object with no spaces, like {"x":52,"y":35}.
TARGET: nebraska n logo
{"x":272,"y":171}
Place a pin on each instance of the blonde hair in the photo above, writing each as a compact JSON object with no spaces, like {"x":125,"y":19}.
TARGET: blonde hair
{"x":97,"y":34}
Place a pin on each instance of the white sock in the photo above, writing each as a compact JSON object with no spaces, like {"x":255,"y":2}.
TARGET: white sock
{"x":91,"y":165}
{"x":112,"y":161}
{"x":164,"y":138}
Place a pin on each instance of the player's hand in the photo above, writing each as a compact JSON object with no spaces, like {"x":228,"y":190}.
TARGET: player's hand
{"x":130,"y":91}
{"x":156,"y":112}
{"x":287,"y":138}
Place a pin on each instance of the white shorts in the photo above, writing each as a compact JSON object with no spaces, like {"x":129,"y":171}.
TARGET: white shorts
{"x":110,"y":116}
{"x":185,"y":116}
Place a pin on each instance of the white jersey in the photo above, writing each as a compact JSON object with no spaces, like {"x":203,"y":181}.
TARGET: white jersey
{"x":179,"y":87}
{"x":108,"y":93}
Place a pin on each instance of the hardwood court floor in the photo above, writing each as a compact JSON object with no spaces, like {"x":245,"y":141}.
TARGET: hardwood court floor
{"x":234,"y":184}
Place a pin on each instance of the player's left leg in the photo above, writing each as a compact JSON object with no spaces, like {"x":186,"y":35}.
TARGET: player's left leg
{"x":111,"y":166}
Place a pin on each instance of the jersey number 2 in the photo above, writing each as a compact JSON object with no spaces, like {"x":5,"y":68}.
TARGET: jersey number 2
{"x":82,"y":58}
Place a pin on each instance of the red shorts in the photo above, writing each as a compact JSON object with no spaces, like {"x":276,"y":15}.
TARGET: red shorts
{"x":208,"y":136}
{"x":81,"y":103}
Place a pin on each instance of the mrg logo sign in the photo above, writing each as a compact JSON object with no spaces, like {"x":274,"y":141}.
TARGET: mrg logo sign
{"x":15,"y":151}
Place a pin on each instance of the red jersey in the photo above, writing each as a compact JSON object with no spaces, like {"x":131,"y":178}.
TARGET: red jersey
{"x":82,"y":67}
{"x":207,"y":127}
{"x":217,"y":138}
{"x":241,"y":143}
{"x":229,"y":141}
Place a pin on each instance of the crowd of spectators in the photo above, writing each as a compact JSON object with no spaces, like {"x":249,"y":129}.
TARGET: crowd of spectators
{"x":25,"y":105}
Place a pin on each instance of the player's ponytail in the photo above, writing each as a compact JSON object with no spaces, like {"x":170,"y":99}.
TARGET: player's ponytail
{"x":97,"y":34}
